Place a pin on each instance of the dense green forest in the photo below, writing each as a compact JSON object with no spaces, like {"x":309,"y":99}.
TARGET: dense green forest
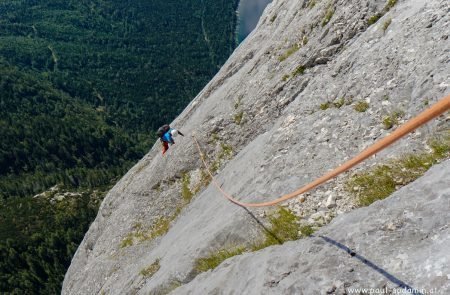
{"x":50,"y":138}
{"x":34,"y":261}
{"x":83,"y":86}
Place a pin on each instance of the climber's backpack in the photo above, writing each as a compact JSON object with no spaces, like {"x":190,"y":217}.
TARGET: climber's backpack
{"x":162,"y":130}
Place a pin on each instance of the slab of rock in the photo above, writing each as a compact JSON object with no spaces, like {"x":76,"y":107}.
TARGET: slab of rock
{"x":362,"y":249}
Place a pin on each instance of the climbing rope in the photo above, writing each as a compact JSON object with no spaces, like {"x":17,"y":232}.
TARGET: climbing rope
{"x":435,"y":110}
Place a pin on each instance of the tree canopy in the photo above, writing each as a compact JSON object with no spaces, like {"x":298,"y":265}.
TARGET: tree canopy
{"x":83,"y":86}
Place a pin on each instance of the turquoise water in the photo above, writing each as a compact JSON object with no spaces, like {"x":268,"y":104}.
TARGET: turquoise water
{"x":249,"y":12}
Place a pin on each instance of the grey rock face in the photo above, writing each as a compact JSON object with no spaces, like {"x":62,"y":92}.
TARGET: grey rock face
{"x":262,"y":121}
{"x":400,"y":242}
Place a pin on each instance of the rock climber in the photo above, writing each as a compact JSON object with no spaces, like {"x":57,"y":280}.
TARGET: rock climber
{"x":166,"y":135}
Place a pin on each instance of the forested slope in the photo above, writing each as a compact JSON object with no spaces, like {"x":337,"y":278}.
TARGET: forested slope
{"x":83,"y":86}
{"x":48,"y":137}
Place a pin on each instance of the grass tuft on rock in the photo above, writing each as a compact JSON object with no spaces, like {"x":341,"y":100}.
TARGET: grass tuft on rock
{"x":390,"y":4}
{"x":361,"y":106}
{"x":149,"y":271}
{"x":374,"y":18}
{"x":300,"y":70}
{"x":273,"y":18}
{"x":215,"y":258}
{"x":285,"y":77}
{"x":325,"y":106}
{"x":294,"y":48}
{"x":306,"y":230}
{"x":337,"y":103}
{"x":392,"y":119}
{"x":304,"y":40}
{"x":168,"y":287}
{"x":386,"y":24}
{"x":140,"y":234}
{"x":283,"y":227}
{"x":328,"y":15}
{"x":382,"y":180}
{"x":186,"y":192}
{"x":127,"y":241}
{"x":238,"y":118}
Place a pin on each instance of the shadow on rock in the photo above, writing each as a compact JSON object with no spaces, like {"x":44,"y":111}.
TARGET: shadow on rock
{"x":372,"y":265}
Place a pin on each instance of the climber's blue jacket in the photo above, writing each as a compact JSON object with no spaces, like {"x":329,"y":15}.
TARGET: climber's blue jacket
{"x":167,"y":137}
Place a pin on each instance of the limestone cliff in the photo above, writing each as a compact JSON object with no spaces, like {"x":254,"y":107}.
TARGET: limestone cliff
{"x":308,"y":89}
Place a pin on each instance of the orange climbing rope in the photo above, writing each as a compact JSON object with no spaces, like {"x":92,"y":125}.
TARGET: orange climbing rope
{"x":435,"y":110}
